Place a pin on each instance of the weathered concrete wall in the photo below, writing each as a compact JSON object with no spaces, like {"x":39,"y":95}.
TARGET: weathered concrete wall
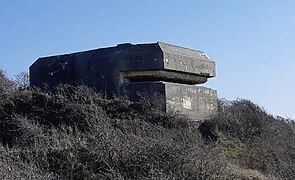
{"x":98,"y":68}
{"x":198,"y":103}
{"x":187,"y":60}
{"x":127,"y":69}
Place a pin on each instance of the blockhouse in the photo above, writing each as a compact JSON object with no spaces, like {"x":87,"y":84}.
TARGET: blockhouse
{"x":173,"y":72}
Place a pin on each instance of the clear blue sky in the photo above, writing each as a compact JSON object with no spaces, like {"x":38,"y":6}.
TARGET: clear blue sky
{"x":251,"y":41}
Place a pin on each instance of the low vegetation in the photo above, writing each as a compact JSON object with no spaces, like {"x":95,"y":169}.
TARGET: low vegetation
{"x":74,"y":133}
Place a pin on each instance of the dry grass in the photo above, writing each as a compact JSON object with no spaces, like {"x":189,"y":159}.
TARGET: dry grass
{"x":74,"y":133}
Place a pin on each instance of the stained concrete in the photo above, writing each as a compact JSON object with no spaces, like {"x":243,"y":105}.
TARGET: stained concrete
{"x":126,"y":69}
{"x":198,"y":103}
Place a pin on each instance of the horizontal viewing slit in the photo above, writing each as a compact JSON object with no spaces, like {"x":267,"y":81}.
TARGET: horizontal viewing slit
{"x":157,"y":78}
{"x":161,"y":75}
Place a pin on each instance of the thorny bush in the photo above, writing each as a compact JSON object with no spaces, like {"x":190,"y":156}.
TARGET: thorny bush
{"x":75,"y":133}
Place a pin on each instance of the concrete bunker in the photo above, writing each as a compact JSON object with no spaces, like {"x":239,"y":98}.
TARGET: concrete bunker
{"x":126,"y":69}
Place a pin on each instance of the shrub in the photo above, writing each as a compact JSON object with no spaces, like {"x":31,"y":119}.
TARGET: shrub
{"x":6,"y":86}
{"x":75,"y":133}
{"x":255,"y":139}
{"x":17,"y":163}
{"x":241,"y":119}
{"x":22,"y":80}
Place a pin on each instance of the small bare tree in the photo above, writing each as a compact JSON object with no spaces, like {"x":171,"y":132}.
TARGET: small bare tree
{"x":22,"y":80}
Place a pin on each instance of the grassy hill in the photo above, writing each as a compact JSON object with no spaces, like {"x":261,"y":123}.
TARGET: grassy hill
{"x":74,"y":133}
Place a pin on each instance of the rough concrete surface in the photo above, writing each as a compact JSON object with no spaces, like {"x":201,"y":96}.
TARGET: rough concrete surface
{"x":127,"y":69}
